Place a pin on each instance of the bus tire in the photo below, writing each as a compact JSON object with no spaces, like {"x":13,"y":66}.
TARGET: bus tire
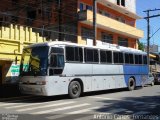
{"x":131,"y":84}
{"x":74,"y":89}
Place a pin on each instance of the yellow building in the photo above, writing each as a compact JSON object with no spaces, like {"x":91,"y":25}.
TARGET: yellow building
{"x":12,"y":41}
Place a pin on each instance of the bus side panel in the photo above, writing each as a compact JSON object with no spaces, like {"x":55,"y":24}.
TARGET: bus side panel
{"x":144,"y":71}
{"x":87,"y":83}
{"x":74,"y":69}
{"x":57,"y":85}
{"x":119,"y":78}
{"x":137,"y":71}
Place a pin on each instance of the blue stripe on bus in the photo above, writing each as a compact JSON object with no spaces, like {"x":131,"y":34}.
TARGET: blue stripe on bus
{"x":136,"y":72}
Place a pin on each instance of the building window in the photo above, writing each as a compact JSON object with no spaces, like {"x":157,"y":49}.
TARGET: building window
{"x":86,"y":33}
{"x":102,"y":12}
{"x":84,"y":6}
{"x":120,"y":19}
{"x":31,"y":14}
{"x":123,"y":41}
{"x":89,"y":7}
{"x":118,"y":2}
{"x":107,"y":38}
{"x":121,"y":2}
{"x":81,"y":6}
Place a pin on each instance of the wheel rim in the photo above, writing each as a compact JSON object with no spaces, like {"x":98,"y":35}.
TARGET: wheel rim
{"x":75,"y":89}
{"x":152,"y":83}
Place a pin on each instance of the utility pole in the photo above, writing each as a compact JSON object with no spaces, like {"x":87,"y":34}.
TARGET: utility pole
{"x":148,"y":39}
{"x":94,"y":21}
{"x":59,"y":20}
{"x":148,"y":33}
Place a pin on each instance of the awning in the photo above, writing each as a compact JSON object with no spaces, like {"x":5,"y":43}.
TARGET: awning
{"x":152,"y":56}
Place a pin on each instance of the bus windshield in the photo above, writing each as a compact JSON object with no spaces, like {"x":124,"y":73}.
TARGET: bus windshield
{"x":34,"y":61}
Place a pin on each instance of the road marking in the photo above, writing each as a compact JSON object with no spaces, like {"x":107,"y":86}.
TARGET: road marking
{"x":22,"y":105}
{"x":104,"y":98}
{"x":8,"y":104}
{"x":29,"y":104}
{"x":60,"y":109}
{"x":71,"y":113}
{"x":45,"y":106}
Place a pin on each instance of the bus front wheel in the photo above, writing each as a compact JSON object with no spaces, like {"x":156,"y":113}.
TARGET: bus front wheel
{"x":131,"y":84}
{"x":74,"y":89}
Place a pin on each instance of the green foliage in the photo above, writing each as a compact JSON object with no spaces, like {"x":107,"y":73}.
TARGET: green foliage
{"x":140,"y":46}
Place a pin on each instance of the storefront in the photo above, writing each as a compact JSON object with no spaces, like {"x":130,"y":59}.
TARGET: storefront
{"x":9,"y":71}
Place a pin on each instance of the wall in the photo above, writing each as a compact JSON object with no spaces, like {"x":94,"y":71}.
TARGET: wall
{"x":132,"y":42}
{"x":12,"y":41}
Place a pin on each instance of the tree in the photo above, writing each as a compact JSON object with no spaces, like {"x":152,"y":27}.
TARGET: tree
{"x":140,"y":46}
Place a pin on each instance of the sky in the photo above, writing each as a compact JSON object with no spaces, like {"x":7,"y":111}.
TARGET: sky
{"x":142,"y":5}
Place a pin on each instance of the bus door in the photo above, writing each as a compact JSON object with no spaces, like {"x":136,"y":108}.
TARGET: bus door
{"x":56,"y":61}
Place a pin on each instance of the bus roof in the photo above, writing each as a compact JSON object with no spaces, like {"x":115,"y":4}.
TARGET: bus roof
{"x":100,"y":45}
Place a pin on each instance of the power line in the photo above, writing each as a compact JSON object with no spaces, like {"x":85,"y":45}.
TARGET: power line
{"x":155,"y":32}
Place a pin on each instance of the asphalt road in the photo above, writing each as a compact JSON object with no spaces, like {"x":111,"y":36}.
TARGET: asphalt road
{"x":140,"y":104}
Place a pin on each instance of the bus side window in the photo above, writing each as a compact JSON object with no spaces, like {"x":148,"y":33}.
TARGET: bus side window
{"x":74,"y":54}
{"x":118,"y":57}
{"x":78,"y":54}
{"x":145,"y":59}
{"x":91,"y":55}
{"x":88,"y":55}
{"x":121,"y":58}
{"x":136,"y":59}
{"x":56,"y":61}
{"x":109,"y":56}
{"x":106,"y":56}
{"x":69,"y":53}
{"x":131,"y":59}
{"x":127,"y":58}
{"x":96,"y":56}
{"x":140,"y":59}
{"x":103,"y":56}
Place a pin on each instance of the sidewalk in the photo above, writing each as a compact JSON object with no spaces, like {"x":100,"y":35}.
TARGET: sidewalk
{"x":9,"y":90}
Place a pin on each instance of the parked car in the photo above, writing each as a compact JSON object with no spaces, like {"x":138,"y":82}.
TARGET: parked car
{"x":150,"y":80}
{"x":157,"y":78}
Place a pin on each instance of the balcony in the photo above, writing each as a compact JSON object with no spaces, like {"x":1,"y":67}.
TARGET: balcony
{"x":112,"y":25}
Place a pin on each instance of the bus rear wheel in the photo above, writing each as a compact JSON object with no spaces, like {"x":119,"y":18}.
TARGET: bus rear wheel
{"x":131,"y":84}
{"x":74,"y":89}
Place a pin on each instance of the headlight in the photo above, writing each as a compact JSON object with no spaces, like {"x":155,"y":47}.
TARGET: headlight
{"x":41,"y":82}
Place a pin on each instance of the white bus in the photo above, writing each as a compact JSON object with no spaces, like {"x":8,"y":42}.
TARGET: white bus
{"x":56,"y":68}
